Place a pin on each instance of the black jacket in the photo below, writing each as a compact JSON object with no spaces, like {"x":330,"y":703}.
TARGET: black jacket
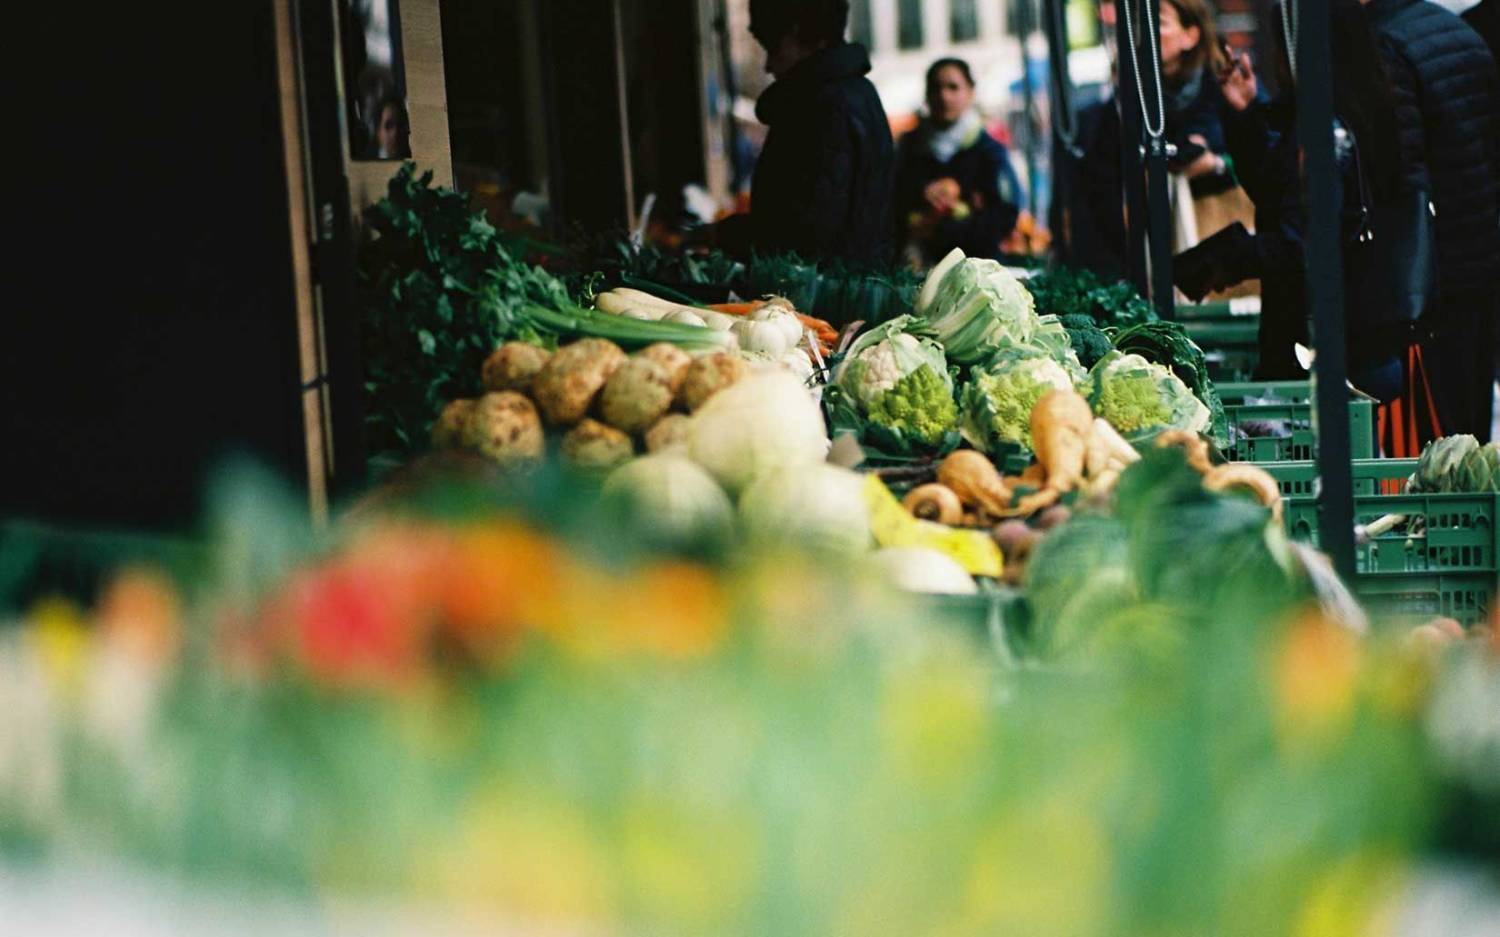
{"x":1484,"y":18}
{"x":1262,"y":141}
{"x":822,"y":186}
{"x":983,"y":173}
{"x":1447,"y":93}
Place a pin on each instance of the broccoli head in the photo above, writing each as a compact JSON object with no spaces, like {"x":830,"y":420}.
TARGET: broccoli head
{"x":1089,"y":341}
{"x":920,"y":405}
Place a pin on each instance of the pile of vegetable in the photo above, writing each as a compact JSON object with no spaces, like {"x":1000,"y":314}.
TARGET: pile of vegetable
{"x":894,"y":389}
{"x":443,"y":289}
{"x":606,"y":404}
{"x":1066,"y":293}
{"x":769,"y":328}
{"x":1144,"y":379}
{"x":1457,"y":464}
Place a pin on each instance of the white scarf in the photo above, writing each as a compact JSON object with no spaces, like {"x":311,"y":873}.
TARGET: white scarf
{"x":945,"y":143}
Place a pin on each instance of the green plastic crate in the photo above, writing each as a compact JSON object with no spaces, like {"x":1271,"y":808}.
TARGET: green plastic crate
{"x":1247,"y":308}
{"x":1295,"y":440}
{"x":1447,"y":565}
{"x":1462,"y":596}
{"x":1241,"y":392}
{"x":1298,"y":480}
{"x":1227,"y":365}
{"x":1224,"y":334}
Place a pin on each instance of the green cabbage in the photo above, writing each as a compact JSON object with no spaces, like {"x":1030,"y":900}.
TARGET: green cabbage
{"x":977,"y":308}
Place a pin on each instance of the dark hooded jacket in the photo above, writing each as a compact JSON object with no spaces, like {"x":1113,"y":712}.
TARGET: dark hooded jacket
{"x":1448,"y":106}
{"x":822,"y":186}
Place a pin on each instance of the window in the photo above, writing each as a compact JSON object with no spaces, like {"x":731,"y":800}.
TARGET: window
{"x":909,"y":24}
{"x":963,"y":20}
{"x":861,"y":29}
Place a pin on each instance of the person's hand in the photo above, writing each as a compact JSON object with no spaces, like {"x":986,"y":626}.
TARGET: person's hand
{"x":1210,"y":266}
{"x":1237,"y":80}
{"x":942,"y":195}
{"x":1207,"y":163}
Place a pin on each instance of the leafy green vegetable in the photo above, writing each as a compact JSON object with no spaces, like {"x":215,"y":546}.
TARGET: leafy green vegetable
{"x":1090,"y":343}
{"x":426,"y":331}
{"x":1065,"y":292}
{"x":1171,"y":555}
{"x":978,"y":308}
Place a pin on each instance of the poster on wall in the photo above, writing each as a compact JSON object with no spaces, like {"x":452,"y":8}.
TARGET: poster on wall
{"x":374,"y":80}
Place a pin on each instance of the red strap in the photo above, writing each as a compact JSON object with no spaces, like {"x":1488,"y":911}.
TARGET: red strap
{"x":1437,"y":426}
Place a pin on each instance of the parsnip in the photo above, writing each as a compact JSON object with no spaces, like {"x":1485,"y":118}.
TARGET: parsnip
{"x":1061,"y":423}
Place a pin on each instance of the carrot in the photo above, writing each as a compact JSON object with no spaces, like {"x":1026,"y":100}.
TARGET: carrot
{"x":737,"y":309}
{"x":826,"y":333}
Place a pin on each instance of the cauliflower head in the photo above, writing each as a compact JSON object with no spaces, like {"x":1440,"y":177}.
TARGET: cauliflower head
{"x":1136,"y":396}
{"x":884,"y":355}
{"x":997,"y":402}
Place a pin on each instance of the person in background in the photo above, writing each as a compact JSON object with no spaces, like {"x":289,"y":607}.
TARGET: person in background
{"x":955,"y":186}
{"x":1484,"y":18}
{"x":1262,"y":139}
{"x":822,"y":185}
{"x":1447,"y":91}
{"x":1189,"y":58}
{"x":392,"y":136}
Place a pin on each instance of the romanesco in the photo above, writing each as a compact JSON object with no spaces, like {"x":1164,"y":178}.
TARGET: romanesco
{"x":1132,"y":404}
{"x":998,"y":400}
{"x":1136,"y":395}
{"x":920,"y":406}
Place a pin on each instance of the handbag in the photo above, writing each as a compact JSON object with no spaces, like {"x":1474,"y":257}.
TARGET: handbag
{"x":1390,"y":269}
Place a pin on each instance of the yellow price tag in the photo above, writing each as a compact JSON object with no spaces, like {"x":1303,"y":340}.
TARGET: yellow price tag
{"x":894,"y":526}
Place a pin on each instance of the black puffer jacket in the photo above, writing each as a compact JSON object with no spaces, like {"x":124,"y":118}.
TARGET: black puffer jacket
{"x":1447,"y":93}
{"x":823,"y":184}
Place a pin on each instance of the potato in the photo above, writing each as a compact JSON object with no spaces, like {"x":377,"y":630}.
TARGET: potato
{"x":514,"y":366}
{"x":708,"y":375}
{"x":636,"y":396}
{"x":566,"y":386}
{"x":673,"y":359}
{"x":505,"y":427}
{"x":593,"y":446}
{"x":448,"y":430}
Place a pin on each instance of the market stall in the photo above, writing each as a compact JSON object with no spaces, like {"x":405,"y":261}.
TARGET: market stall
{"x":695,"y":595}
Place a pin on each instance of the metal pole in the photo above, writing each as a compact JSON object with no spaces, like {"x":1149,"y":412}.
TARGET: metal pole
{"x":1325,"y":278}
{"x":1131,"y":171}
{"x":1159,"y":221}
{"x":1028,"y":97}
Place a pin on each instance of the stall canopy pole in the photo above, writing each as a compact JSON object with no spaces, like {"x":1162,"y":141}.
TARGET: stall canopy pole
{"x":1128,"y":101}
{"x":1028,"y":97}
{"x":1156,"y":150}
{"x":1307,"y":23}
{"x":1060,"y":90}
